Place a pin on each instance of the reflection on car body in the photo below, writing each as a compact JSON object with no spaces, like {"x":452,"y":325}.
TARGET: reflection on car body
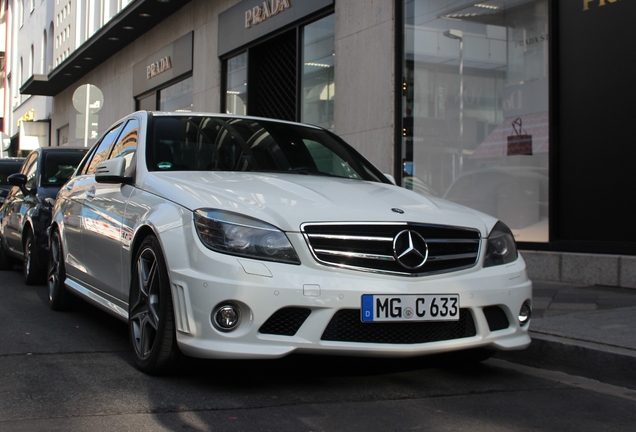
{"x":220,"y":236}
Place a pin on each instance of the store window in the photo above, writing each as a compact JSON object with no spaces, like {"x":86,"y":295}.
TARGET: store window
{"x":475,"y":107}
{"x":290,"y":75}
{"x":236,"y":87}
{"x":177,"y":97}
{"x":318,"y":73}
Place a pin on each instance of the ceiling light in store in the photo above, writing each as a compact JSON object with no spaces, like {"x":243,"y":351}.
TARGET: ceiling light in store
{"x":323,"y":65}
{"x":487,"y":6}
{"x":144,"y":15}
{"x":113,"y":39}
{"x":233,"y":92}
{"x":128,"y":28}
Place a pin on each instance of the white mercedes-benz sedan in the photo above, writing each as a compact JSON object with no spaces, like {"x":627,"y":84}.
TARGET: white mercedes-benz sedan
{"x":219,"y":236}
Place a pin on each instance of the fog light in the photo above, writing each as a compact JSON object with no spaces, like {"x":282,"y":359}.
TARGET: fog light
{"x":226,"y":317}
{"x":524,"y":313}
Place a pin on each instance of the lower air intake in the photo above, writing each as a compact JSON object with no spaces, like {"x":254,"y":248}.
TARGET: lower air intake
{"x":345,"y":326}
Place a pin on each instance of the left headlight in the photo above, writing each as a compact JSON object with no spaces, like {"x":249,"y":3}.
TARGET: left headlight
{"x":502,"y":248}
{"x":236,"y":234}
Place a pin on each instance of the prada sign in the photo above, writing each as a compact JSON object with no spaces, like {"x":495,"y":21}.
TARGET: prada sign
{"x":167,"y":64}
{"x":250,"y":20}
{"x":587,"y":4}
{"x":154,"y":69}
{"x":258,"y":14}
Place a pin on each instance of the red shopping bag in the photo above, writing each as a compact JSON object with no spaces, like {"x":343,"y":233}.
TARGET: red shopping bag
{"x":521,"y":142}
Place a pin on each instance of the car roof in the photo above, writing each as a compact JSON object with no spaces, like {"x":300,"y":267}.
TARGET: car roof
{"x":227,"y":116}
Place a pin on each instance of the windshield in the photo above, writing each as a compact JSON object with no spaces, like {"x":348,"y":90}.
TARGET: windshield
{"x":201,"y":143}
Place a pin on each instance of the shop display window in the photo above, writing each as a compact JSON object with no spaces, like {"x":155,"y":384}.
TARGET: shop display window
{"x":475,"y":107}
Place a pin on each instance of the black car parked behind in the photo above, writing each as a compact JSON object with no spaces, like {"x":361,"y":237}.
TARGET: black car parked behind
{"x":26,"y":214}
{"x":8,"y":166}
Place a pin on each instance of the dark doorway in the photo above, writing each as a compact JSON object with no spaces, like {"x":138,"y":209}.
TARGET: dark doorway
{"x":273,"y":78}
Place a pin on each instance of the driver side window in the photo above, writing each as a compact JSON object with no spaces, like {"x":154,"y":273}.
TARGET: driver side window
{"x":103,"y":150}
{"x":31,"y":173}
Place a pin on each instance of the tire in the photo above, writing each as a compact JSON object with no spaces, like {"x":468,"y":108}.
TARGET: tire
{"x":31,"y":270}
{"x":151,"y":316}
{"x":58,"y":295}
{"x":6,"y":262}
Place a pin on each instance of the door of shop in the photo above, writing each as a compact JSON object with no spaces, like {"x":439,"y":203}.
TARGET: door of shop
{"x":273,"y":77}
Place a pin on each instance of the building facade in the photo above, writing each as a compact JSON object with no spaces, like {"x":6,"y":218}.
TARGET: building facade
{"x":512,"y":107}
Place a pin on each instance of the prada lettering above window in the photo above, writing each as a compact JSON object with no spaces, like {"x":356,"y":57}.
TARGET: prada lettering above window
{"x":587,"y":4}
{"x":160,"y":66}
{"x":258,"y":14}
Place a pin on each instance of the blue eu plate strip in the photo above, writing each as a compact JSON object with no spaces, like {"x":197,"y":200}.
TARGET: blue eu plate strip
{"x":367,"y":308}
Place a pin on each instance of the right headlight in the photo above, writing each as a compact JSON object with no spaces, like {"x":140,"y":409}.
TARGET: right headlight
{"x":236,"y":234}
{"x":502,"y":248}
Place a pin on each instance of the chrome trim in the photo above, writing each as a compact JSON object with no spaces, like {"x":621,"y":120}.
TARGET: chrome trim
{"x":453,"y":240}
{"x":350,"y":237}
{"x":452,"y":257}
{"x":479,"y":241}
{"x":99,"y":300}
{"x":355,"y":255}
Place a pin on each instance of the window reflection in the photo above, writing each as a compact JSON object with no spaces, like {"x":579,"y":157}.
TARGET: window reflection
{"x":236,"y":90}
{"x":318,"y":73}
{"x":475,"y":101}
{"x":177,"y":97}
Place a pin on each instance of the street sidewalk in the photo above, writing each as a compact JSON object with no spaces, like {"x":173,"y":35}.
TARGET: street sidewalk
{"x":582,"y":330}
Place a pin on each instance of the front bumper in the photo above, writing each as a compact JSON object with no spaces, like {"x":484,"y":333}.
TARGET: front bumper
{"x":201,"y":280}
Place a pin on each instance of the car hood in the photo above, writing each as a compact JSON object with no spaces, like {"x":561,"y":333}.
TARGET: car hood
{"x":289,"y":200}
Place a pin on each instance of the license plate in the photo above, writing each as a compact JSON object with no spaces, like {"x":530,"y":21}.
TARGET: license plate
{"x":401,"y":308}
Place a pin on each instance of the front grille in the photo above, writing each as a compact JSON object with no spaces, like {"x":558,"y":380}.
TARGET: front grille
{"x":285,"y":322}
{"x":346,"y":326}
{"x":369,"y":247}
{"x":496,"y":317}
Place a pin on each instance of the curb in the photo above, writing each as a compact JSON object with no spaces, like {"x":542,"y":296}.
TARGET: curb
{"x":605,"y":363}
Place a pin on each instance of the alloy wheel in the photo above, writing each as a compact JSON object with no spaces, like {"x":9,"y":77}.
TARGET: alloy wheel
{"x":145,"y":313}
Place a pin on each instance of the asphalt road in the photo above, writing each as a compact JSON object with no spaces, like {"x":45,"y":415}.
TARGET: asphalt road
{"x":73,"y":371}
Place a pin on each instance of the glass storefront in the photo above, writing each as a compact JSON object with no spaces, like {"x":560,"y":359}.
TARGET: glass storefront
{"x":475,"y":107}
{"x":273,"y":65}
{"x":318,"y":72}
{"x":236,"y":88}
{"x":177,"y":97}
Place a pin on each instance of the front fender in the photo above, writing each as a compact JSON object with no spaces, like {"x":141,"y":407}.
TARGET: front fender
{"x":147,"y":214}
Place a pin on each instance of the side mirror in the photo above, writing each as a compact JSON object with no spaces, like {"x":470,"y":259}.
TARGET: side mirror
{"x":112,"y":171}
{"x":19,"y":179}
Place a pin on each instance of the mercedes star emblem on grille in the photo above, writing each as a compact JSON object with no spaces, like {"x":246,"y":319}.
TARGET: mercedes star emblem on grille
{"x":410,"y":249}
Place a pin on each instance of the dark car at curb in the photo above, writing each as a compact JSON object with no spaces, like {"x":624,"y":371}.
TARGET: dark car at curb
{"x":8,"y":166}
{"x":26,"y":212}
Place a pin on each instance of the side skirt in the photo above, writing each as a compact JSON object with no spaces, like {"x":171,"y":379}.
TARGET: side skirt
{"x":100,"y":299}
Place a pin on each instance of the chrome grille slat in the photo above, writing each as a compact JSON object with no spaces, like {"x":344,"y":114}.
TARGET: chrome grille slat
{"x":369,"y":247}
{"x":452,"y":257}
{"x":352,"y":237}
{"x":355,"y":255}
